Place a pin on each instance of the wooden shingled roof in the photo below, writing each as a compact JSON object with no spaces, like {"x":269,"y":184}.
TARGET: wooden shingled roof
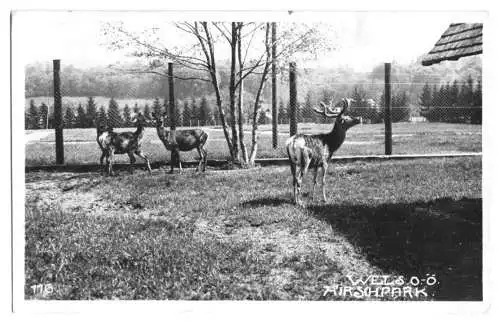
{"x":457,"y":41}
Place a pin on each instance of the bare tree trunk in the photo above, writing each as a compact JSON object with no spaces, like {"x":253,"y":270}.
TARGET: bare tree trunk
{"x":232,"y":90}
{"x":208,"y":49}
{"x":253,"y":148}
{"x":222,"y":115}
{"x":274,"y":101}
{"x":253,"y":151}
{"x":244,"y":153}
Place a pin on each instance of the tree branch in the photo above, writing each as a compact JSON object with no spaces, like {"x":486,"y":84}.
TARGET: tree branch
{"x":138,"y":71}
{"x":223,"y":33}
{"x":187,"y":61}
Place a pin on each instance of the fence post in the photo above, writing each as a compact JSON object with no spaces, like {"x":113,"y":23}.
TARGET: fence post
{"x":58,"y":113}
{"x":388,"y":106}
{"x":171,"y":103}
{"x":293,"y":99}
{"x":274,"y":101}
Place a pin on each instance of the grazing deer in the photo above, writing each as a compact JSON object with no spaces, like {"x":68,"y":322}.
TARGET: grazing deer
{"x":186,"y":140}
{"x":112,"y":143}
{"x":316,"y":150}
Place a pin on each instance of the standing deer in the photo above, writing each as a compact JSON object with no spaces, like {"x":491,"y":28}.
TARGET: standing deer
{"x":186,"y":140}
{"x":316,"y":150}
{"x":112,"y":143}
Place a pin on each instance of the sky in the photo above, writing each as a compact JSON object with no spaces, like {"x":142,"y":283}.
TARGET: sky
{"x":363,"y":39}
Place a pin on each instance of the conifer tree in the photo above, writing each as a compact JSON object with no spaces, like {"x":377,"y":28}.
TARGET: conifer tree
{"x":261,"y":117}
{"x":127,"y":116}
{"x":196,"y":111}
{"x":44,"y":116}
{"x":465,"y":97}
{"x":33,"y":116}
{"x":425,"y":98}
{"x":26,"y":120}
{"x":179,"y":115}
{"x":91,"y":113}
{"x":102,"y":116}
{"x":80,"y":117}
{"x":477,"y":114}
{"x":206,"y":111}
{"x":114,"y":117}
{"x":69,"y":118}
{"x":202,"y":113}
{"x":454,"y":93}
{"x":401,"y":111}
{"x":157,"y":108}
{"x":307,"y":112}
{"x":147,"y":112}
{"x":282,"y":113}
{"x":188,"y":113}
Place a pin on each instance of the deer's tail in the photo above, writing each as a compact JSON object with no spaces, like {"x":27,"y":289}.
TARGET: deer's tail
{"x":294,"y":155}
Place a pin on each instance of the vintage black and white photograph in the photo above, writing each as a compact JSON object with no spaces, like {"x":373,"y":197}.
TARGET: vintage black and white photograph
{"x":242,"y":156}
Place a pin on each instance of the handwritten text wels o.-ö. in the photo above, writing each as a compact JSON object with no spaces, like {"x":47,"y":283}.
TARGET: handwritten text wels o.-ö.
{"x":389,"y":280}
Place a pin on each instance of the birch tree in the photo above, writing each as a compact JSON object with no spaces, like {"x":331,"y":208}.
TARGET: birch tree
{"x":205,"y":46}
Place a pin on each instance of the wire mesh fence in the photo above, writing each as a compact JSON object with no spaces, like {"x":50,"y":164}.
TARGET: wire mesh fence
{"x":428,"y":116}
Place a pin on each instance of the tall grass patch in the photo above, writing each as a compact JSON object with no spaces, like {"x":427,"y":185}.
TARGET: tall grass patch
{"x":87,"y":257}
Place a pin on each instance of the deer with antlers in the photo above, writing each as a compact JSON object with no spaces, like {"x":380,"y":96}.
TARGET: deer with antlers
{"x":185,"y":140}
{"x":112,"y":143}
{"x":315,"y":151}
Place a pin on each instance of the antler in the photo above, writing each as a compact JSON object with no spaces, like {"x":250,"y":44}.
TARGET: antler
{"x":346,"y":103}
{"x":336,"y":111}
{"x":326,"y":111}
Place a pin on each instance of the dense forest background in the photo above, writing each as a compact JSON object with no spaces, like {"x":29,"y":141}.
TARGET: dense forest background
{"x":445,"y":92}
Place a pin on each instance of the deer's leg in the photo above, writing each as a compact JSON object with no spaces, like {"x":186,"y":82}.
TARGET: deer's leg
{"x":302,"y":173}
{"x":298,"y":182}
{"x":323,"y":178}
{"x":101,"y":161}
{"x":106,"y":167}
{"x":143,"y":156}
{"x":315,"y":177}
{"x":293,"y":169}
{"x":175,"y":159}
{"x":200,"y":152}
{"x":132,"y":162}
{"x":111,"y":158}
{"x":178,"y":159}
{"x":205,"y":155}
{"x":172,"y":160}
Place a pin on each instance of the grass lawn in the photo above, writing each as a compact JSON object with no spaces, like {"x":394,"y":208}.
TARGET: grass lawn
{"x":236,"y":235}
{"x":409,"y":138}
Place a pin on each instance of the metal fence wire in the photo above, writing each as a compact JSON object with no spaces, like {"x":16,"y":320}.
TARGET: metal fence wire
{"x":83,"y":112}
{"x":428,"y":116}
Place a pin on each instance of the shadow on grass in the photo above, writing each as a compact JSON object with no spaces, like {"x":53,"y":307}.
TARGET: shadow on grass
{"x":441,"y":237}
{"x":268,"y":201}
